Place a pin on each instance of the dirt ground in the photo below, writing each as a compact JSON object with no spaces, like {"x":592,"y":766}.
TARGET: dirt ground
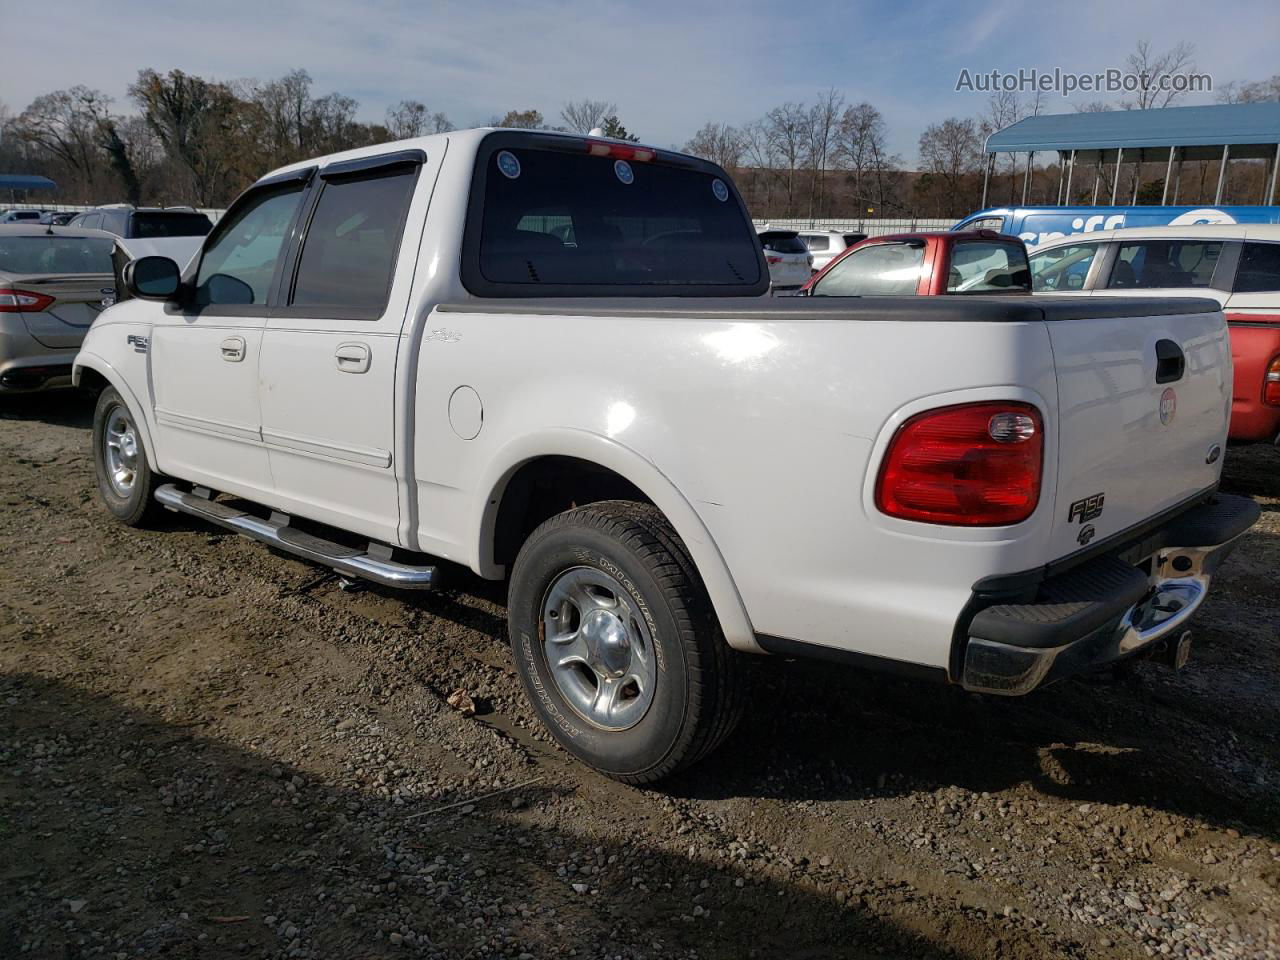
{"x":211,"y":750}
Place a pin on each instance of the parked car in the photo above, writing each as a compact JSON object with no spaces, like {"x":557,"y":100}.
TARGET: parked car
{"x":1238,"y":266}
{"x":789,"y":260}
{"x":21,"y":216}
{"x":926,"y":264}
{"x":826,"y":245}
{"x":1037,"y":225}
{"x":52,"y":284}
{"x":395,"y":356}
{"x":59,"y":218}
{"x":173,"y":232}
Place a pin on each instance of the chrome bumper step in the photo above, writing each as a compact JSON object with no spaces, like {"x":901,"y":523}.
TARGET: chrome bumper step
{"x":276,"y":532}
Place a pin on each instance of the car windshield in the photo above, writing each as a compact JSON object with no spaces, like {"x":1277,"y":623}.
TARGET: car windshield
{"x":147,"y":226}
{"x":782,"y":242}
{"x":552,"y":217}
{"x":53,"y":254}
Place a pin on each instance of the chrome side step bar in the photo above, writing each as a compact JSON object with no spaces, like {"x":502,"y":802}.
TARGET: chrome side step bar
{"x":374,"y":564}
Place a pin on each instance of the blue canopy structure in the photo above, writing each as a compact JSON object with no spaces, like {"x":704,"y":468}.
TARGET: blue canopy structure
{"x":18,"y":181}
{"x":1231,"y":131}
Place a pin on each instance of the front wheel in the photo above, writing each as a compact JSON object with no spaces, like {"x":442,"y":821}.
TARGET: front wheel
{"x":617,"y":645}
{"x":125,"y":478}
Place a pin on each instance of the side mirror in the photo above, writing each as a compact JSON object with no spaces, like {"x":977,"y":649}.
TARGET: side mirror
{"x":152,"y":278}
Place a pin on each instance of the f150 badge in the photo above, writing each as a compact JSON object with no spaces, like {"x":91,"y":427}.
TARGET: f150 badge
{"x":1084,"y":510}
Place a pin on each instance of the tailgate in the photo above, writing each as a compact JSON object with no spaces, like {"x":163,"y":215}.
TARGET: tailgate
{"x":1144,"y":398}
{"x":77,"y":299}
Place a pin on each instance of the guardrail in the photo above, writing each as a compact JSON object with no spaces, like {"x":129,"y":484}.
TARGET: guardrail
{"x":872,"y":227}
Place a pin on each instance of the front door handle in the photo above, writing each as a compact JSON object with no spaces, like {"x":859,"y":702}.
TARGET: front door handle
{"x":1170,"y":362}
{"x":352,"y":357}
{"x":233,"y":349}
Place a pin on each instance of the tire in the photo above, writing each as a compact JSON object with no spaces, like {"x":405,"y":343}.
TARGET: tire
{"x":126,"y":482}
{"x":663,"y":631}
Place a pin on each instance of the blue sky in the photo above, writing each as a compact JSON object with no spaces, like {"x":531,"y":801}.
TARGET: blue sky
{"x":670,"y":66}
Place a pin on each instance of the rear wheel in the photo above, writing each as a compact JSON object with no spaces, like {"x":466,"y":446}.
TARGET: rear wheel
{"x":126,"y":481}
{"x":617,"y":645}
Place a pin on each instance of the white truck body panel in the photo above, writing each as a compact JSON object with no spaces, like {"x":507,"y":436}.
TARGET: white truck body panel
{"x":759,"y":437}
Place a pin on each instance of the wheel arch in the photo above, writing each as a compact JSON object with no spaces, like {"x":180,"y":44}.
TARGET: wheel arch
{"x":616,"y":467}
{"x":90,"y":369}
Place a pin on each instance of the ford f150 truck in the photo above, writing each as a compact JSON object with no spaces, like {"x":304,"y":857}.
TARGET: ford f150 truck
{"x":550,"y":359}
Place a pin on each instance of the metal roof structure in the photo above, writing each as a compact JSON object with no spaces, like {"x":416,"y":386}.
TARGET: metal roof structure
{"x":17,"y":181}
{"x":1148,"y":134}
{"x":1170,"y":135}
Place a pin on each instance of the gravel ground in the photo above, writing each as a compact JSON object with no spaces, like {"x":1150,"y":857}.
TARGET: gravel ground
{"x":210,"y":750}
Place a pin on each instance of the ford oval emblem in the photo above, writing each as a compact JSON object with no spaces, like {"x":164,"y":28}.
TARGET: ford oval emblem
{"x":1168,"y":406}
{"x":1214,"y":453}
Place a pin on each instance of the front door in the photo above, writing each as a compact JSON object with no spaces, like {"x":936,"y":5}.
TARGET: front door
{"x":205,"y":353}
{"x":329,"y":351}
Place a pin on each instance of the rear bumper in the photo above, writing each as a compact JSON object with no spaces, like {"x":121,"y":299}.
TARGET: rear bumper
{"x":1110,"y":607}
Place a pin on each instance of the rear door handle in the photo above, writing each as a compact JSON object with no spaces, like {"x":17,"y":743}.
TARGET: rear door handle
{"x":1171,"y":363}
{"x":233,"y":349}
{"x":352,"y":357}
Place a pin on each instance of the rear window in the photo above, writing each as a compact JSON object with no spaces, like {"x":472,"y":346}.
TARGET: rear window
{"x":147,"y":226}
{"x":1259,"y":270}
{"x":818,"y":242}
{"x":1165,"y":264}
{"x":984,"y":267}
{"x":783,"y":242}
{"x":44,"y":254}
{"x":556,"y":222}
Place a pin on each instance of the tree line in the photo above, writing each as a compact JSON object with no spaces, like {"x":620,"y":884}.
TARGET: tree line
{"x":191,"y":140}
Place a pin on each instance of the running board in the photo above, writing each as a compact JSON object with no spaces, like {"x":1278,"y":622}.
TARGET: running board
{"x":276,"y":532}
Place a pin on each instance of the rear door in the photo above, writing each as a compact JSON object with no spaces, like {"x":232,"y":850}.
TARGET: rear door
{"x":1143,"y":403}
{"x":329,"y":351}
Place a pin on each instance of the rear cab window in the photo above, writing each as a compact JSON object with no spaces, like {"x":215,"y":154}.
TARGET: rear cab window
{"x":882,"y":269}
{"x":1165,"y":264}
{"x":169,"y":224}
{"x":562,"y":216}
{"x":983,"y":266}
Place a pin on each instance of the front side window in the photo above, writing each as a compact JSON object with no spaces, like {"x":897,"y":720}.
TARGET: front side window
{"x":1062,"y":268}
{"x":350,"y":249}
{"x":572,"y":222}
{"x":1165,"y":264}
{"x":984,"y":267}
{"x":881,"y":270}
{"x":238,"y":266}
{"x":1259,"y":270}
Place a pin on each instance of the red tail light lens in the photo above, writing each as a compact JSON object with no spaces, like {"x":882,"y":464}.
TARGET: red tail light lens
{"x":773,"y":259}
{"x":1271,"y":384}
{"x":23,"y":301}
{"x":972,"y":465}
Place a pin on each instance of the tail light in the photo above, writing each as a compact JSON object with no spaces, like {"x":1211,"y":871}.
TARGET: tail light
{"x":972,"y":465}
{"x":769,"y":259}
{"x":1271,"y":384}
{"x":620,"y":151}
{"x":23,"y":301}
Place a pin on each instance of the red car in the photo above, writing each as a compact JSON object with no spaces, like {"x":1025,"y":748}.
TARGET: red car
{"x":926,"y":265}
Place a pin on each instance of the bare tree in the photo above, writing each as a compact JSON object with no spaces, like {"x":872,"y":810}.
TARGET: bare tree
{"x":1091,"y":106}
{"x":581,"y":116}
{"x":1154,"y":71}
{"x":823,"y":118}
{"x":786,"y":128}
{"x":949,"y":150}
{"x":65,"y":125}
{"x":1257,"y":91}
{"x":860,"y":148}
{"x":718,"y":142}
{"x":520,"y":120}
{"x":411,"y":118}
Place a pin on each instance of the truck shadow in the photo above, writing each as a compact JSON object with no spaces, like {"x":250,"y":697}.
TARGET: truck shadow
{"x":63,"y":408}
{"x":124,"y":831}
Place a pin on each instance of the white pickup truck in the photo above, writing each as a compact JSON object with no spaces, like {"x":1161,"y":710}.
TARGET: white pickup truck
{"x":548,"y":358}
